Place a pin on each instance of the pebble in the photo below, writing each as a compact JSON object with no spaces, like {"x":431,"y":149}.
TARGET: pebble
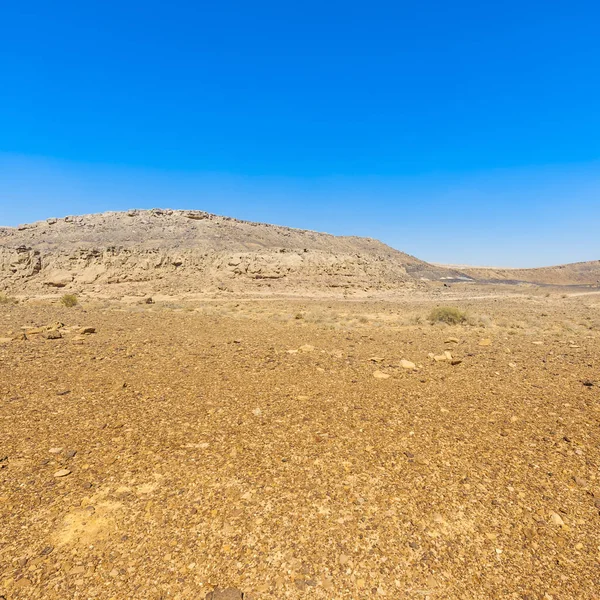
{"x":556,"y":519}
{"x":62,"y":473}
{"x":407,"y":364}
{"x":224,"y":594}
{"x":87,"y":330}
{"x":306,"y":348}
{"x":55,"y":450}
{"x":485,"y":342}
{"x":380,"y":375}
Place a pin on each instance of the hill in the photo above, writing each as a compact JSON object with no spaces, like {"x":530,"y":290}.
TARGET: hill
{"x":581,"y":273}
{"x":176,"y":251}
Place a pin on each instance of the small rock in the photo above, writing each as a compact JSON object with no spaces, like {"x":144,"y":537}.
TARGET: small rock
{"x":556,"y":519}
{"x":54,"y":334}
{"x":440,"y":358}
{"x":70,"y":453}
{"x":62,"y":473}
{"x":224,"y":594}
{"x":597,"y":503}
{"x":306,"y":348}
{"x":452,"y":340}
{"x":455,"y":361}
{"x":55,"y":450}
{"x":407,"y":364}
{"x":380,"y":375}
{"x":87,"y":330}
{"x":63,"y":392}
{"x":485,"y":342}
{"x":580,"y":482}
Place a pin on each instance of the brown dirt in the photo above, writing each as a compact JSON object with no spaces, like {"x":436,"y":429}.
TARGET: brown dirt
{"x":201,"y":453}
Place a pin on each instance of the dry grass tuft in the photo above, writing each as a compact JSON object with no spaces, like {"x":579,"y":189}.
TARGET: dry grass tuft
{"x":69,"y":300}
{"x":448,"y":315}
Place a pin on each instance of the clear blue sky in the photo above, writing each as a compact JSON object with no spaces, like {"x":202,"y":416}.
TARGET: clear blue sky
{"x":462,"y":132}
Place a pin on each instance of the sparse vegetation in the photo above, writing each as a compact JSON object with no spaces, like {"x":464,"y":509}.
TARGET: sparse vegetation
{"x":4,"y":299}
{"x":447,"y":314}
{"x":69,"y":300}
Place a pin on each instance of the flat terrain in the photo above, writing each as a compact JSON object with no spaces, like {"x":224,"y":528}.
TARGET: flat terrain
{"x":258,"y":445}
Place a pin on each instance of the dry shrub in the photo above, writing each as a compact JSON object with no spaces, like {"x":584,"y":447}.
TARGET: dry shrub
{"x":69,"y":300}
{"x":448,"y":315}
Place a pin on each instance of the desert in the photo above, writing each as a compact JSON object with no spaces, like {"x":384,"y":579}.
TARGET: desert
{"x":199,"y":407}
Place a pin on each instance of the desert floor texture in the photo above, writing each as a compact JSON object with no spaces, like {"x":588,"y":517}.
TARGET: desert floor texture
{"x":270,"y":449}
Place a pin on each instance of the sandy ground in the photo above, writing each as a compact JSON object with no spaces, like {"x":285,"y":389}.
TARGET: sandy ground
{"x":260,"y":447}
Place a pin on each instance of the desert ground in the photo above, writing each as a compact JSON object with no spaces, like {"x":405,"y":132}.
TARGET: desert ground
{"x":231,"y":447}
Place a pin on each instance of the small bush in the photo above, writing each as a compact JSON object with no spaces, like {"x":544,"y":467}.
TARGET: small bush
{"x":69,"y":300}
{"x":447,"y":314}
{"x":4,"y":299}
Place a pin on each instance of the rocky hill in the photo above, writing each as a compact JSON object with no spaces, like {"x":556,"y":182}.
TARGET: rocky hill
{"x":175,"y":251}
{"x":581,"y":273}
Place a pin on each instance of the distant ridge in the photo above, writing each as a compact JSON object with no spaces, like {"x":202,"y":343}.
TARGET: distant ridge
{"x":580,"y":273}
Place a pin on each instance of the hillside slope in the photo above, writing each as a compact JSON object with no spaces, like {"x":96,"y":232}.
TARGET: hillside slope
{"x":179,"y":251}
{"x":582,"y":273}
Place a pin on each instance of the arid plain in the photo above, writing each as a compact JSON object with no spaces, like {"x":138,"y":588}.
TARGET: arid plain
{"x":279,"y":449}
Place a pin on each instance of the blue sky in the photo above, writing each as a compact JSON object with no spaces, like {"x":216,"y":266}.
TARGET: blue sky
{"x":461,"y":132}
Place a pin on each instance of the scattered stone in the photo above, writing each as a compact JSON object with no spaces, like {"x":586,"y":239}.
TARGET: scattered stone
{"x":586,"y":382}
{"x":62,"y":473}
{"x":306,"y":348}
{"x":452,"y":340}
{"x":54,"y":334}
{"x":580,"y":482}
{"x":407,"y":364}
{"x":556,"y":519}
{"x":440,"y":358}
{"x":224,"y":594}
{"x":70,"y":453}
{"x":47,"y":550}
{"x":35,"y":330}
{"x":55,"y":450}
{"x":456,"y":361}
{"x":448,"y":355}
{"x":376,"y":359}
{"x":148,"y":300}
{"x":87,"y":330}
{"x":381,"y":375}
{"x":63,"y":392}
{"x":485,"y":342}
